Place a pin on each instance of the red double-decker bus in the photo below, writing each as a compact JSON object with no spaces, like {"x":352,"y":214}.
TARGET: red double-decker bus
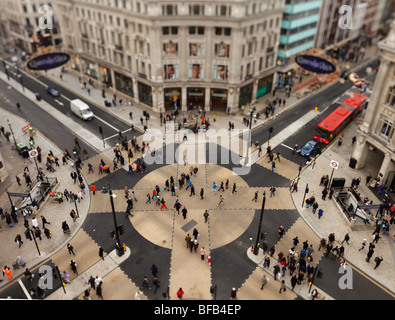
{"x":339,"y":119}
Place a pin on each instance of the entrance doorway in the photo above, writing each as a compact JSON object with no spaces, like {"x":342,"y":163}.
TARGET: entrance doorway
{"x":195,"y":98}
{"x":172,"y":98}
{"x":219,"y":99}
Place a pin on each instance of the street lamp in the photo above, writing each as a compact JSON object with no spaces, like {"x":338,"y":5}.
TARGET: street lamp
{"x":306,"y":190}
{"x":256,"y":247}
{"x":12,"y":132}
{"x":270,"y":133}
{"x":119,"y":248}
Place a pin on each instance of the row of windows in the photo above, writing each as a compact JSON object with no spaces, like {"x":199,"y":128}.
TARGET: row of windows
{"x":196,"y":30}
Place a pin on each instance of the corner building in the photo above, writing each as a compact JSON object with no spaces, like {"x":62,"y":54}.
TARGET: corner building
{"x":165,"y":54}
{"x":375,"y":146}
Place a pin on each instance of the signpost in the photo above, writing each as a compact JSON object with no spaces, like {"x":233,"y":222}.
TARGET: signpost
{"x":334,"y":165}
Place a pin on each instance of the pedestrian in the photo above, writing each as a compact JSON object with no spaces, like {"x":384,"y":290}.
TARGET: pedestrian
{"x":264,"y":280}
{"x":7,"y":271}
{"x":283,"y":287}
{"x":188,"y":240}
{"x":346,"y":239}
{"x":272,"y":191}
{"x":145,"y":283}
{"x":234,"y":188}
{"x":378,"y":260}
{"x":184,"y":212}
{"x":255,"y":197}
{"x":87,"y":294}
{"x":205,"y":215}
{"x":163,"y":204}
{"x":47,"y":233}
{"x":93,"y":188}
{"x":276,"y":271}
{"x":101,"y":253}
{"x":295,"y":242}
{"x":18,"y":240}
{"x":324,"y":193}
{"x":73,"y":266}
{"x":202,"y":253}
{"x":154,"y":270}
{"x":273,"y":166}
{"x":180,"y":293}
{"x":221,"y":200}
{"x":363,"y":245}
{"x":28,"y":275}
{"x":294,"y":281}
{"x":201,"y":193}
{"x":233,"y":294}
{"x":99,"y":292}
{"x":98,"y":281}
{"x":195,"y":245}
{"x":315,"y":207}
{"x":18,"y":180}
{"x":70,"y":248}
{"x":156,"y":283}
{"x":214,"y":187}
{"x":320,"y":213}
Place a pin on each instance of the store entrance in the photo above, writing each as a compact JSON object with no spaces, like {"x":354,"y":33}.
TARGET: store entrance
{"x":195,"y":98}
{"x":219,"y":99}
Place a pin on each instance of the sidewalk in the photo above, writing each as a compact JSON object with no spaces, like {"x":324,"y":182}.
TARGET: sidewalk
{"x":334,"y":220}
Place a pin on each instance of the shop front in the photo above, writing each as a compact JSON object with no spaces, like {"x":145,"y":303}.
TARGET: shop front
{"x":172,"y":98}
{"x":219,"y":99}
{"x":75,"y":63}
{"x":284,"y":79}
{"x":105,"y":76}
{"x":265,"y":86}
{"x":145,"y":93}
{"x":245,"y":96}
{"x":89,"y":68}
{"x":124,"y":84}
{"x":195,"y":98}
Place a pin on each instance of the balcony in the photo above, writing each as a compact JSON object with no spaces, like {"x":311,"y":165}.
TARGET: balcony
{"x":84,"y":35}
{"x":118,"y":47}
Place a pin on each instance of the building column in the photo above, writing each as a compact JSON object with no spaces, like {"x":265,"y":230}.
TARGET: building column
{"x":184,"y":98}
{"x":254,"y":91}
{"x":376,"y":96}
{"x":136,"y":91}
{"x":385,"y":165}
{"x":207,"y":98}
{"x":360,"y":151}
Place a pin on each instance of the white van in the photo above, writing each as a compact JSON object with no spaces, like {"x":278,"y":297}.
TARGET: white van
{"x":81,"y":109}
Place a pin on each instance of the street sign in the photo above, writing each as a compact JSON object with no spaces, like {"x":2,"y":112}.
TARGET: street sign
{"x":334,"y":164}
{"x":33,"y":153}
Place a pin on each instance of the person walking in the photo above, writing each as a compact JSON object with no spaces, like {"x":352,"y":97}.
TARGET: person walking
{"x":214,"y":188}
{"x":276,"y":270}
{"x":202,"y":253}
{"x":201,"y":193}
{"x":221,"y":200}
{"x":324,"y":193}
{"x":234,"y":188}
{"x":154,"y":270}
{"x":272,"y":191}
{"x":369,"y":255}
{"x":18,"y":240}
{"x":180,"y":293}
{"x":264,"y":281}
{"x":99,"y":292}
{"x":101,"y":253}
{"x":283,"y":287}
{"x":163,"y":204}
{"x":363,"y":245}
{"x":255,"y":197}
{"x":346,"y":239}
{"x":71,"y":249}
{"x":73,"y":266}
{"x":188,"y":240}
{"x":315,"y":207}
{"x":205,"y":215}
{"x":378,"y":260}
{"x":156,"y":283}
{"x":145,"y":283}
{"x":184,"y":212}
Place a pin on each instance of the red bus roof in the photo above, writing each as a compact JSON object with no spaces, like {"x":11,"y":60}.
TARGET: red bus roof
{"x":332,"y":121}
{"x":355,"y":100}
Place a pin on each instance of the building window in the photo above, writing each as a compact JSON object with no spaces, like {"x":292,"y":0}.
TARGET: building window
{"x":385,"y":127}
{"x":169,"y":30}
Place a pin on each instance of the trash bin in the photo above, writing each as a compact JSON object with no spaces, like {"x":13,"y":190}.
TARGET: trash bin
{"x":353,"y":163}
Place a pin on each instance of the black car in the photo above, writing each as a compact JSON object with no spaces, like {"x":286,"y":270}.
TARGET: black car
{"x":311,"y":148}
{"x":53,"y":92}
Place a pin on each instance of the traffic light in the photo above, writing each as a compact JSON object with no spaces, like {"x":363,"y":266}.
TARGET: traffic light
{"x":121,"y":229}
{"x":100,"y":130}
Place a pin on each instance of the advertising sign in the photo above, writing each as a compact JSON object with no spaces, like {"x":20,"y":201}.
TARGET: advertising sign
{"x":315,"y":64}
{"x":48,"y":61}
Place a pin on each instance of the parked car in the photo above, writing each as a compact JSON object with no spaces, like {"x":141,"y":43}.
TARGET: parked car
{"x":311,"y":148}
{"x":52,"y":91}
